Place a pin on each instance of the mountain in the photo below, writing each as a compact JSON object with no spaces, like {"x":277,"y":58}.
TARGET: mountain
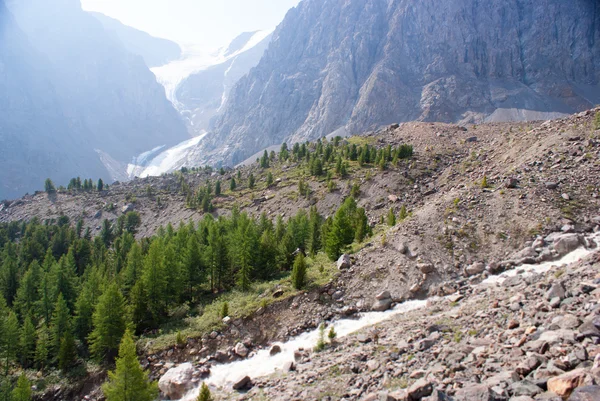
{"x":204,"y":93}
{"x":76,"y":101}
{"x":155,"y":51}
{"x":358,"y":64}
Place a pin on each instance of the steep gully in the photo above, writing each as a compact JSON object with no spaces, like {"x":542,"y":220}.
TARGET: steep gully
{"x":263,"y":364}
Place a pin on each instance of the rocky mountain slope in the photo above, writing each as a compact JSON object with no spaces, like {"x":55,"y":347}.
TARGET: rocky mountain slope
{"x":358,"y":64}
{"x":77,"y":102}
{"x":540,"y":200}
{"x":155,"y":51}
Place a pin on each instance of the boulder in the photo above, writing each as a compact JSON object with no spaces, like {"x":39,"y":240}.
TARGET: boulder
{"x":556,"y":291}
{"x":383,"y":295}
{"x":275,"y":349}
{"x":344,"y":262}
{"x":241,"y":350}
{"x":382,"y":305}
{"x":567,"y":243}
{"x":477,"y":392}
{"x":566,"y":383}
{"x":511,"y":183}
{"x":177,"y":381}
{"x":586,"y":393}
{"x":475,"y":268}
{"x":421,"y":388}
{"x":242,"y":383}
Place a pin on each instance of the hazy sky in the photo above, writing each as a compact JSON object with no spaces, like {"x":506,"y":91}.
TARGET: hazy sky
{"x":209,"y":23}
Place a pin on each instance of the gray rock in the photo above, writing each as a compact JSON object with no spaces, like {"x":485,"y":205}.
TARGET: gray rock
{"x":344,"y":262}
{"x":556,"y":291}
{"x":241,"y":350}
{"x":477,"y":392}
{"x":525,"y":387}
{"x":475,"y":268}
{"x":383,"y":295}
{"x":421,"y":388}
{"x":566,"y":243}
{"x":586,"y":393}
{"x":382,"y":305}
{"x":242,"y":383}
{"x":275,"y":349}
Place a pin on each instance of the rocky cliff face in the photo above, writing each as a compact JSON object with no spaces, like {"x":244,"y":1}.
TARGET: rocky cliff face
{"x":363,"y":63}
{"x":72,"y":92}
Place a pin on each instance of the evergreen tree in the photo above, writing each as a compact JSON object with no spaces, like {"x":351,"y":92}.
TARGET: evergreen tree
{"x":269,"y":179}
{"x":391,"y":217}
{"x":193,"y":268}
{"x":232,"y":185}
{"x":341,"y":233}
{"x":67,"y":354}
{"x":218,"y":188}
{"x":129,"y":382}
{"x":251,"y":181}
{"x":9,"y":338}
{"x":299,"y":272}
{"x":42,"y":346}
{"x":205,"y":394}
{"x":100,"y":185}
{"x":264,"y":160}
{"x":60,"y":324}
{"x":362,"y":225}
{"x":49,"y":186}
{"x":109,"y":324}
{"x":106,"y":234}
{"x":403,"y":213}
{"x":27,"y":343}
{"x":22,"y":391}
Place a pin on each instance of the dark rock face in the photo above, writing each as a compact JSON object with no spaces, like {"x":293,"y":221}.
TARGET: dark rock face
{"x":360,"y":63}
{"x":70,"y":92}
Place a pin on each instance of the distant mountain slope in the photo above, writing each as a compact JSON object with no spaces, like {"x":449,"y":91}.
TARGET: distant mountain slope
{"x":363,"y":63}
{"x":155,"y":51}
{"x":69,"y":92}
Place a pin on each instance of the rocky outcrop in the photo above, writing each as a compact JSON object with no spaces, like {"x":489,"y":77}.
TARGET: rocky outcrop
{"x":355,"y":64}
{"x":177,"y":381}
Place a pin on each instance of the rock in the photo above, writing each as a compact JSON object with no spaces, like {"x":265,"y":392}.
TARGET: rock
{"x":344,"y":262}
{"x":289,"y":366}
{"x":275,"y":349}
{"x":556,"y":291}
{"x":421,"y":388}
{"x":437,"y":395}
{"x":566,"y":243}
{"x":242,"y":383}
{"x":551,"y":185}
{"x":127,"y":208}
{"x":177,"y":381}
{"x":475,"y":268}
{"x":479,"y":392}
{"x":382,"y":305}
{"x":586,"y":393}
{"x":511,"y":183}
{"x":425,"y":267}
{"x":241,"y":350}
{"x":278,"y":293}
{"x":383,"y":295}
{"x":564,"y":384}
{"x":363,"y":338}
{"x":471,"y":139}
{"x":393,"y":198}
{"x":525,"y":387}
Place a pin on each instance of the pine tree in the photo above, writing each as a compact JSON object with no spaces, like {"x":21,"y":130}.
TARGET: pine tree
{"x":205,"y":394}
{"x":27,"y":342}
{"x":362,"y":225}
{"x":251,"y":181}
{"x":129,"y":382}
{"x":23,"y":390}
{"x":299,"y":272}
{"x":42,"y":346}
{"x":9,"y":338}
{"x":109,"y":324}
{"x":269,"y":179}
{"x":100,"y":185}
{"x":264,"y":161}
{"x":403,"y":213}
{"x":67,"y":354}
{"x":49,"y":186}
{"x":232,"y":185}
{"x":218,"y":188}
{"x":391,"y":218}
{"x":60,"y":324}
{"x":154,"y":279}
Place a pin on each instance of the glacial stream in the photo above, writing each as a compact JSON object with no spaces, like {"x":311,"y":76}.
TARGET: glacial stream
{"x":262,"y":364}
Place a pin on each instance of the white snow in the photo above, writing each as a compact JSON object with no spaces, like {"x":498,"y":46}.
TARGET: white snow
{"x":165,"y":162}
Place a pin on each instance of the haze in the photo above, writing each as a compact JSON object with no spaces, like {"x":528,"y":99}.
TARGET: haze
{"x":206,"y":23}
